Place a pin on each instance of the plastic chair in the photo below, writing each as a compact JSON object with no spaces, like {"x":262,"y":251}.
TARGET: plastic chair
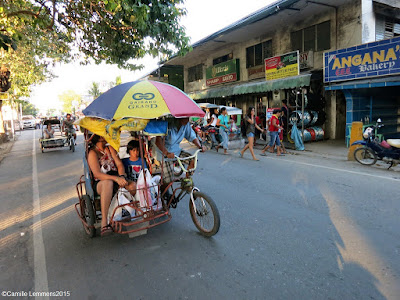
{"x":348,"y":136}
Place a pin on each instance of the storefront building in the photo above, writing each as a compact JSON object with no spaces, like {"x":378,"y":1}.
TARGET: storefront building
{"x":228,"y":67}
{"x":368,"y":75}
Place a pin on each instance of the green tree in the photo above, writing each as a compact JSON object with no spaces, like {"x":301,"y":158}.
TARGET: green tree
{"x":94,"y":90}
{"x":111,"y":31}
{"x":51,"y":112}
{"x":69,"y":99}
{"x":118,"y":81}
{"x":29,"y":109}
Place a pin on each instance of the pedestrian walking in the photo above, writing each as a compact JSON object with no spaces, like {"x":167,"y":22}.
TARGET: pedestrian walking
{"x":274,"y":130}
{"x":251,"y":126}
{"x":281,"y":133}
{"x":223,"y":124}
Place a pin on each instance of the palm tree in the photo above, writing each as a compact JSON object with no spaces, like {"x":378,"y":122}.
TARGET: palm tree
{"x":94,"y":90}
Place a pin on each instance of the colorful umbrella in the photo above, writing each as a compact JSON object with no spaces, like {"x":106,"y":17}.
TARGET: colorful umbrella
{"x":143,"y":100}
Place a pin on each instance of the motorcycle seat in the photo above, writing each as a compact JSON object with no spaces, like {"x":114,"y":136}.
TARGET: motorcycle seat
{"x":394,"y":142}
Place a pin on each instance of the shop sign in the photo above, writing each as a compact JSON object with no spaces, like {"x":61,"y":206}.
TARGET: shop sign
{"x":282,"y":66}
{"x":307,"y":60}
{"x":363,"y":61}
{"x":224,"y":72}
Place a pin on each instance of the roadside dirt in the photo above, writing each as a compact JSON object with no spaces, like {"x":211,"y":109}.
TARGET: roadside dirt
{"x":5,"y":148}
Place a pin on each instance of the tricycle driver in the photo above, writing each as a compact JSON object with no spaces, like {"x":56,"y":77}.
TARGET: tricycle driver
{"x":68,"y":126}
{"x":178,"y":129}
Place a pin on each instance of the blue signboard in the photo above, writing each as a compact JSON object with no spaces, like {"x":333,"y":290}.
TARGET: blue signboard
{"x":363,"y":61}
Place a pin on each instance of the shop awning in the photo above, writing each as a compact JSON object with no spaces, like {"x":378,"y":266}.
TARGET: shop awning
{"x":365,"y":83}
{"x":253,"y":87}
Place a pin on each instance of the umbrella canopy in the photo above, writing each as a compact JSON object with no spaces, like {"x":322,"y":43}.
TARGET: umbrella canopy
{"x":208,"y":105}
{"x":231,"y":110}
{"x":143,"y":100}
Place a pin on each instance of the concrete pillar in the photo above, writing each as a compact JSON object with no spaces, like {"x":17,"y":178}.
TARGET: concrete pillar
{"x":368,"y":21}
{"x":331,"y":115}
{"x":356,"y":135}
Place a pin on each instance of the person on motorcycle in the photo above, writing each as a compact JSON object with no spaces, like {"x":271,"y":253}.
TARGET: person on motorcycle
{"x":213,"y":123}
{"x":177,"y":130}
{"x":68,"y":126}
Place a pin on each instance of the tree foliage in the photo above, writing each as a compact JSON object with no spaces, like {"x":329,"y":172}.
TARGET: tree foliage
{"x":29,"y":109}
{"x":36,"y":34}
{"x":94,"y":91}
{"x":111,"y":31}
{"x":68,"y":99}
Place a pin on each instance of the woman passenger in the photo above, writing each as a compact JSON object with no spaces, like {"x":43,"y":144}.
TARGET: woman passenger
{"x":109,"y":174}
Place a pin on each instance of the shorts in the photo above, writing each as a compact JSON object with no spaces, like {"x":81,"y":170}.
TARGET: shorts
{"x":274,"y":138}
{"x":71,"y":130}
{"x":250,"y":134}
{"x":115,"y":185}
{"x":168,"y":167}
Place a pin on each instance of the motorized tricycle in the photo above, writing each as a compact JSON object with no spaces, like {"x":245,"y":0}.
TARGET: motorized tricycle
{"x":58,"y":139}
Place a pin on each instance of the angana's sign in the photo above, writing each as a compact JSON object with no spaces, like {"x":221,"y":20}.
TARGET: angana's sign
{"x":363,"y":61}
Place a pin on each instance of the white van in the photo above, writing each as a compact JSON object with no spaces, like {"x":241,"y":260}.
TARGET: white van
{"x":29,"y":121}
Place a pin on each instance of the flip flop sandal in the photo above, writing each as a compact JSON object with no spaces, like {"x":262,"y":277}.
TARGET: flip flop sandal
{"x":263,"y":154}
{"x":106,"y":230}
{"x":240,"y":155}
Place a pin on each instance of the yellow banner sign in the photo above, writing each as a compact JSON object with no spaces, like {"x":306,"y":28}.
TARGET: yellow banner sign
{"x":282,"y":66}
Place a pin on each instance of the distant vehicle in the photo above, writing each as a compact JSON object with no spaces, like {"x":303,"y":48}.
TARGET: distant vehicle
{"x":28,"y":121}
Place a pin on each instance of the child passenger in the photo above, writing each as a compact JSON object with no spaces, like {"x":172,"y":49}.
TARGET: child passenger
{"x":133,"y":163}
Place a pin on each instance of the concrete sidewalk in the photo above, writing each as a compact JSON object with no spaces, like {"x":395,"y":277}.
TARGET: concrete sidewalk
{"x":335,"y":149}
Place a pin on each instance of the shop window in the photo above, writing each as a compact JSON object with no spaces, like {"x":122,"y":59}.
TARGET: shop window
{"x":222,"y":59}
{"x":195,"y":73}
{"x":386,"y":28}
{"x":323,"y":36}
{"x":255,"y":55}
{"x":315,"y":38}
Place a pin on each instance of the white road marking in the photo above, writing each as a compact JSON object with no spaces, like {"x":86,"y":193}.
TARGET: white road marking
{"x":333,"y":169}
{"x":39,"y":257}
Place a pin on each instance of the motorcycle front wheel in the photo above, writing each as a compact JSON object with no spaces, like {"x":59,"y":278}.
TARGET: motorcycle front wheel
{"x":206,"y":217}
{"x":365,"y":156}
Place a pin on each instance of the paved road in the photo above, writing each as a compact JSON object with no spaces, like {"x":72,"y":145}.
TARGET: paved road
{"x":294,"y":227}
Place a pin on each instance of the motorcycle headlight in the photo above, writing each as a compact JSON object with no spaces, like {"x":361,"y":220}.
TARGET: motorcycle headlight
{"x":367,"y":132}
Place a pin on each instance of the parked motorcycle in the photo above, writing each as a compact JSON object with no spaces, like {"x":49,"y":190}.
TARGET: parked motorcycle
{"x":372,"y":150}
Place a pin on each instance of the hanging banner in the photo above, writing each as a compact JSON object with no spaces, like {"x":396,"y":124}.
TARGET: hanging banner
{"x":363,"y":61}
{"x":282,"y":66}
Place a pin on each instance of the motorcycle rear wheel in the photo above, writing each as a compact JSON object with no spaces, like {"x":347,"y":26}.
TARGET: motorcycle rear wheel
{"x":208,"y":142}
{"x":365,"y":156}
